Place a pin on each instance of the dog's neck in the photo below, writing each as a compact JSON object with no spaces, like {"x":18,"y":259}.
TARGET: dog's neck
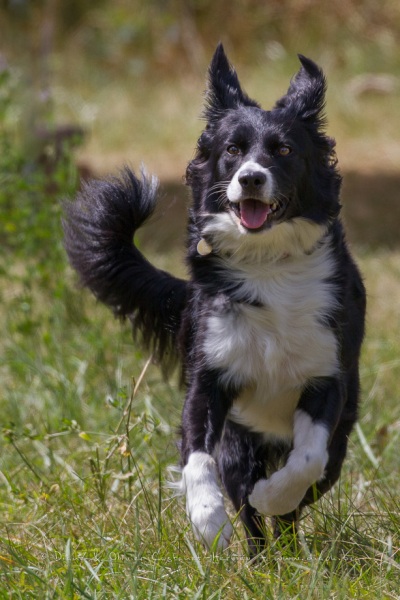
{"x":294,"y":238}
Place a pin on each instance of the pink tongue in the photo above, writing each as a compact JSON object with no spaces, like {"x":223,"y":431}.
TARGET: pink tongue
{"x":253,"y":213}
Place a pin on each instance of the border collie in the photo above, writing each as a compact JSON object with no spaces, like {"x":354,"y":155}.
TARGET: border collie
{"x":268,"y":328}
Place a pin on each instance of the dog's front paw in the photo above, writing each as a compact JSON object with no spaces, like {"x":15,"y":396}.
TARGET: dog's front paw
{"x":205,"y":502}
{"x":277,"y":495}
{"x":211,"y":524}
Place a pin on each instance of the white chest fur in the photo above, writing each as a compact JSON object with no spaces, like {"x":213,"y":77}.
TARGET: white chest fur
{"x":273,"y":350}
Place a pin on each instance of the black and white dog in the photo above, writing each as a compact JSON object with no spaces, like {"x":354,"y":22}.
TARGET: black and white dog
{"x":269,"y":326}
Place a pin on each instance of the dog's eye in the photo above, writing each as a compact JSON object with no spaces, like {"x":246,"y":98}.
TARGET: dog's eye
{"x":284,"y":150}
{"x":233,"y":149}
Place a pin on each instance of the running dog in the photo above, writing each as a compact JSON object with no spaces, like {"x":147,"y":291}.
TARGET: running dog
{"x":269,"y":326}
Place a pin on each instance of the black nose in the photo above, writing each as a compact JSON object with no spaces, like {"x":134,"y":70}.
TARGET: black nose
{"x":252,"y":180}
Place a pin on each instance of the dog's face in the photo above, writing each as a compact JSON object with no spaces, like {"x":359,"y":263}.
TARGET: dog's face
{"x":264,"y":174}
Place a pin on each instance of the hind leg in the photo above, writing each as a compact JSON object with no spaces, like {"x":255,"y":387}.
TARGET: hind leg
{"x":241,"y":463}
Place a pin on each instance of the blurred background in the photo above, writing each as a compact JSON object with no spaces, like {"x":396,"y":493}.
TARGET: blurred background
{"x":119,"y":81}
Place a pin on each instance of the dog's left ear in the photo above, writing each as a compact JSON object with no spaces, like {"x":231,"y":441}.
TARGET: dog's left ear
{"x":306,"y":94}
{"x":224,"y":91}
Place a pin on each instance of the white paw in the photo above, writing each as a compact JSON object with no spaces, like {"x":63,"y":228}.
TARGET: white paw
{"x":277,"y":495}
{"x":285,"y":489}
{"x":205,"y":502}
{"x":211,"y":525}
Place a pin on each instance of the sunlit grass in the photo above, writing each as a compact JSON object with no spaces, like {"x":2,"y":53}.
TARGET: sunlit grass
{"x":85,"y":510}
{"x":89,"y":427}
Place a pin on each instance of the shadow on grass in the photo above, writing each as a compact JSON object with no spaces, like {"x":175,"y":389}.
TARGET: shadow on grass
{"x":371,"y":211}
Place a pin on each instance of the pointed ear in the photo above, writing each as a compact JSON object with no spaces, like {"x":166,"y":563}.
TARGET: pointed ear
{"x":306,"y":93}
{"x":223,"y":91}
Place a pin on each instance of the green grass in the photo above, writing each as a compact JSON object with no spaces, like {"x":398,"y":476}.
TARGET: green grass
{"x":89,"y":430}
{"x":83,"y":464}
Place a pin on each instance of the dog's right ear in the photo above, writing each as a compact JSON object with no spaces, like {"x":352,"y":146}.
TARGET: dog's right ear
{"x":224,"y":91}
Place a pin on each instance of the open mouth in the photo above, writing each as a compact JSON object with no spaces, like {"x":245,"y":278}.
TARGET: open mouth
{"x":254,"y":214}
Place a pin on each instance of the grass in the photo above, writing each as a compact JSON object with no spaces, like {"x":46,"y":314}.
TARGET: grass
{"x":85,"y":451}
{"x":88,"y":433}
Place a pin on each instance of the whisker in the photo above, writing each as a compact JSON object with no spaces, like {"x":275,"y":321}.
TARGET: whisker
{"x":223,"y":199}
{"x":220,"y":186}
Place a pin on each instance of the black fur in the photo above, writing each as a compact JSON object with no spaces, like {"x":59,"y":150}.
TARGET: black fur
{"x":172,"y":315}
{"x":99,"y":227}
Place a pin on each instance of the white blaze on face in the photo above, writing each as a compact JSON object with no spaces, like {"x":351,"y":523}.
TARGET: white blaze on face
{"x":254,"y":211}
{"x":235,"y":190}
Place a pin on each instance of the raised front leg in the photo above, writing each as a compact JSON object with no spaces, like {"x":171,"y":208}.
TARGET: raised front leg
{"x":315,"y":421}
{"x":339,"y":439}
{"x":203,"y":418}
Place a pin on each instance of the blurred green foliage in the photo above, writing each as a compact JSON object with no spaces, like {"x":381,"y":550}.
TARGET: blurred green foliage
{"x":130,"y":35}
{"x":76,"y":60}
{"x":30,"y":181}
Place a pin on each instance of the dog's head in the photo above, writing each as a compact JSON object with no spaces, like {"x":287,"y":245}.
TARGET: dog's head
{"x":264,"y":179}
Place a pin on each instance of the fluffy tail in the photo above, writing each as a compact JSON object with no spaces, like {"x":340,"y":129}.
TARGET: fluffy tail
{"x":99,"y":228}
